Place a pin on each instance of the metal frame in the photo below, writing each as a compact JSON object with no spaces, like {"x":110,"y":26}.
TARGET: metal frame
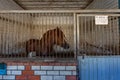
{"x":61,"y":11}
{"x":76,"y":14}
{"x":112,"y":14}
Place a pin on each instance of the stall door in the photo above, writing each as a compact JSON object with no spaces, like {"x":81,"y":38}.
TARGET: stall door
{"x":98,"y":46}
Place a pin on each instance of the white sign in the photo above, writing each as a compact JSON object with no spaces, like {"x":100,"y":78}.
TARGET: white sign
{"x":101,"y":20}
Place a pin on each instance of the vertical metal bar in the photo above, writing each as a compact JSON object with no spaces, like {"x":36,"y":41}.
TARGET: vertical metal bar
{"x":96,"y":36}
{"x":97,"y":40}
{"x":81,"y":35}
{"x":114,"y":36}
{"x":26,"y":32}
{"x":110,"y":34}
{"x":61,"y":22}
{"x":55,"y":34}
{"x":8,"y":34}
{"x":92,"y":31}
{"x":107,"y":38}
{"x":77,"y":34}
{"x":84,"y":32}
{"x":4,"y":36}
{"x":29,"y":46}
{"x":42,"y":16}
{"x":71,"y":35}
{"x":22,"y":31}
{"x":32,"y":29}
{"x":66,"y":30}
{"x":48,"y":28}
{"x":118,"y":36}
{"x":45,"y":40}
{"x":4,"y":39}
{"x":1,"y":35}
{"x":57,"y":21}
{"x":39,"y":26}
{"x":68,"y":37}
{"x":14,"y":43}
{"x":17,"y":25}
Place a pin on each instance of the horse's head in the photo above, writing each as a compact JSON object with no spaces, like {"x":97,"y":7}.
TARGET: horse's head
{"x":60,"y":38}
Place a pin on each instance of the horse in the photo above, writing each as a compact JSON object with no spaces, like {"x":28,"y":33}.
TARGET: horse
{"x":45,"y":45}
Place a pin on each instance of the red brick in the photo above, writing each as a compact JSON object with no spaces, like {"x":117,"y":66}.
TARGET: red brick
{"x":51,"y":64}
{"x":71,"y":78}
{"x":33,"y":77}
{"x":27,"y":67}
{"x":21,"y":77}
{"x":27,"y":72}
{"x":57,"y":64}
{"x":45,"y":64}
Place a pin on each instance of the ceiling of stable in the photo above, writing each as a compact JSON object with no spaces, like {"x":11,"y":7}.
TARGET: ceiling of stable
{"x":53,"y":4}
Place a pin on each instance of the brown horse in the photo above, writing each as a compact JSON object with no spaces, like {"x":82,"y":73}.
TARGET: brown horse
{"x":45,"y":45}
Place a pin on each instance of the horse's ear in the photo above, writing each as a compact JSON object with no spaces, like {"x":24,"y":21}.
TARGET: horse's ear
{"x":57,"y":27}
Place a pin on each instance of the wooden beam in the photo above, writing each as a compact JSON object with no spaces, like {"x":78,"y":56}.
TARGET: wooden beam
{"x":53,"y":3}
{"x":55,"y":8}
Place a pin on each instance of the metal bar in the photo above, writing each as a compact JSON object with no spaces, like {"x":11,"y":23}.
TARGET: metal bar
{"x":75,"y":35}
{"x":114,"y":14}
{"x":78,"y":35}
{"x":78,"y":30}
{"x":61,"y":11}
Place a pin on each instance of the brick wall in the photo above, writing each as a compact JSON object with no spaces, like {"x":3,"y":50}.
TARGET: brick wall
{"x":40,"y":71}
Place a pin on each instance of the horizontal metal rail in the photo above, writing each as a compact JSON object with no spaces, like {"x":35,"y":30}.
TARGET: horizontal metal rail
{"x":63,"y":11}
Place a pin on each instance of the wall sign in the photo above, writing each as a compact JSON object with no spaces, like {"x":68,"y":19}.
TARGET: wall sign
{"x":101,"y":20}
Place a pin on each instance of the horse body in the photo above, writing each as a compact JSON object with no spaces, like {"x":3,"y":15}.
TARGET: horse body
{"x":45,"y":45}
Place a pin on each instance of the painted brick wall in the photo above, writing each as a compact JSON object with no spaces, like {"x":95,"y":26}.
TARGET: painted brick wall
{"x":40,"y":71}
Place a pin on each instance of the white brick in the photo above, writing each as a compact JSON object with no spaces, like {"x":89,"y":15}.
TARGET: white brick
{"x":16,"y":72}
{"x":59,"y":67}
{"x":59,"y":77}
{"x":21,"y":67}
{"x":46,"y":67}
{"x":8,"y":72}
{"x":46,"y":77}
{"x":11,"y":67}
{"x":9,"y":77}
{"x":35,"y":67}
{"x":40,"y":72}
{"x":70,"y":67}
{"x":0,"y":77}
{"x":74,"y":73}
{"x":52,"y":72}
{"x":65,"y":72}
